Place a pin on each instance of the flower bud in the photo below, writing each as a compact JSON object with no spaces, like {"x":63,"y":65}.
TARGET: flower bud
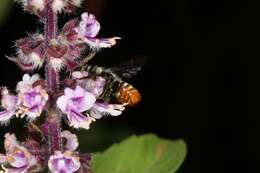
{"x":33,"y":6}
{"x":69,"y":32}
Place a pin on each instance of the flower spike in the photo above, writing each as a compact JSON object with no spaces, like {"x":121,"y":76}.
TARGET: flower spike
{"x":78,"y":98}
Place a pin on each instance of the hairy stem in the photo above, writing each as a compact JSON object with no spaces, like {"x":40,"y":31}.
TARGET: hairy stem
{"x":52,"y":77}
{"x":50,"y":33}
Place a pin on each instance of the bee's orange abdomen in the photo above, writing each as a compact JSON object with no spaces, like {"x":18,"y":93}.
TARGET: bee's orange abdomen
{"x":129,"y":95}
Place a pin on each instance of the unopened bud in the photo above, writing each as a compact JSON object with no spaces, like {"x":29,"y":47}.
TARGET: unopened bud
{"x":68,"y":31}
{"x":34,"y":6}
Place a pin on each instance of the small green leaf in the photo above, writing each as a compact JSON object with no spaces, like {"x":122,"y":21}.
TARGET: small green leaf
{"x":141,"y":154}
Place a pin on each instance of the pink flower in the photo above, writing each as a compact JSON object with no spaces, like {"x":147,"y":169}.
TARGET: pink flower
{"x":71,"y":140}
{"x":89,"y":28}
{"x":96,"y":87}
{"x":17,"y":157}
{"x":32,"y":102}
{"x":63,"y":162}
{"x":9,"y":105}
{"x":73,"y":103}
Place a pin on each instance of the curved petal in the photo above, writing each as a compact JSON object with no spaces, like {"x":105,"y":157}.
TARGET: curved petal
{"x":78,"y":120}
{"x":101,"y":42}
{"x":111,"y":109}
{"x":71,"y":140}
{"x":68,"y":92}
{"x":16,"y":170}
{"x":87,"y":102}
{"x":18,"y":159}
{"x":62,"y":102}
{"x":6,"y":115}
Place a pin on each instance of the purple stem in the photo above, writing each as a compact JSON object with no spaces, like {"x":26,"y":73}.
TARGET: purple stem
{"x":50,"y":33}
{"x":52,"y":77}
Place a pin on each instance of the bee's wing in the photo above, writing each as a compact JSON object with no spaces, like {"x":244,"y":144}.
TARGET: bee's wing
{"x":129,"y":68}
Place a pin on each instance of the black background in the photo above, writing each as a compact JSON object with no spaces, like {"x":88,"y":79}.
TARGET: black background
{"x":196,"y":83}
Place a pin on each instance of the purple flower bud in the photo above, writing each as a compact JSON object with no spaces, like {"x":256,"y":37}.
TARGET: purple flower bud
{"x":68,"y":31}
{"x":73,"y":103}
{"x":89,"y":28}
{"x":63,"y":162}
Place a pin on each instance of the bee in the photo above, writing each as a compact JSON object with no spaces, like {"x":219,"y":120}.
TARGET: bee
{"x":115,"y":86}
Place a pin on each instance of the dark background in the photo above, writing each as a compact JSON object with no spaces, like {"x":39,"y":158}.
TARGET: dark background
{"x":196,"y":83}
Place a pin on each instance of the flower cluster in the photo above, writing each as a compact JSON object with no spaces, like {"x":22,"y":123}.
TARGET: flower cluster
{"x":83,"y":99}
{"x":66,"y":49}
{"x":77,"y":99}
{"x":21,"y":158}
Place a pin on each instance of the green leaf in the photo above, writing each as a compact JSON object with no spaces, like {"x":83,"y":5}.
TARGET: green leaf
{"x":4,"y":8}
{"x":141,"y":154}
